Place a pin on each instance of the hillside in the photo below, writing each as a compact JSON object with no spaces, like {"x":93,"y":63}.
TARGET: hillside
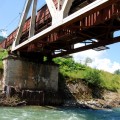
{"x":94,"y":78}
{"x":87,"y":87}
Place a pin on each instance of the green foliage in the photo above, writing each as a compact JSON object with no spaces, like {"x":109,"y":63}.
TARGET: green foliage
{"x":117,"y":72}
{"x":3,"y":53}
{"x":88,"y":60}
{"x":68,"y":66}
{"x":110,"y":81}
{"x":92,"y":77}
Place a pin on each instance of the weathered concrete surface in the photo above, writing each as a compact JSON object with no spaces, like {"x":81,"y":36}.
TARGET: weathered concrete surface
{"x":1,"y":77}
{"x":1,"y":74}
{"x":23,"y":74}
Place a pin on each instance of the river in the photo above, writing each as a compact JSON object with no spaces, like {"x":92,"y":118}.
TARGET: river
{"x":46,"y":113}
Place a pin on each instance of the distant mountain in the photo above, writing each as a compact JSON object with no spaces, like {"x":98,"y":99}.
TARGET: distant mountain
{"x":1,"y":38}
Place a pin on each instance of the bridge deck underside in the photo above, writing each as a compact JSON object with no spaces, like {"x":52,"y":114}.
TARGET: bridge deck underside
{"x":94,"y":29}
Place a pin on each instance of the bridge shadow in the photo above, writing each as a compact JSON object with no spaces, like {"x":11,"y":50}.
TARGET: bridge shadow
{"x":76,"y":94}
{"x":68,"y":98}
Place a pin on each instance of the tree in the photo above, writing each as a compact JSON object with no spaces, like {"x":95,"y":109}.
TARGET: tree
{"x":93,"y":78}
{"x":117,"y":72}
{"x":88,"y":60}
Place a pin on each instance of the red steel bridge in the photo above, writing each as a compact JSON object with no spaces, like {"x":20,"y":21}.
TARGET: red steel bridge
{"x":60,"y":24}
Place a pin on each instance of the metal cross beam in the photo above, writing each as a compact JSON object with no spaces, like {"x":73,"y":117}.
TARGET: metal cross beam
{"x":90,"y":46}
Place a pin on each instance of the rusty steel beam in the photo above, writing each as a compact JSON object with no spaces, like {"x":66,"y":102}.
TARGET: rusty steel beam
{"x":94,"y":10}
{"x":87,"y":21}
{"x":91,"y":46}
{"x":66,"y":21}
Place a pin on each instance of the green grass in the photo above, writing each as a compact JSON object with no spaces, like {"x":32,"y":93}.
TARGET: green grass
{"x":3,"y":53}
{"x":110,"y":81}
{"x":92,"y":77}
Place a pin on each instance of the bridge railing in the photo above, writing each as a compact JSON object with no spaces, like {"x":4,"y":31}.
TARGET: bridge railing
{"x":43,"y":19}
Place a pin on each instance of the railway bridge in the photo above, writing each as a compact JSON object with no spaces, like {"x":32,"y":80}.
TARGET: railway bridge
{"x":53,"y":31}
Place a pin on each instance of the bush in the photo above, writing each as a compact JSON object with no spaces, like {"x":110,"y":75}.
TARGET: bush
{"x":68,"y":65}
{"x":3,"y":53}
{"x":117,"y":72}
{"x":92,"y":78}
{"x":96,"y":79}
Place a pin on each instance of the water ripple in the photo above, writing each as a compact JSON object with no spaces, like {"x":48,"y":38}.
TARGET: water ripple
{"x":42,"y":113}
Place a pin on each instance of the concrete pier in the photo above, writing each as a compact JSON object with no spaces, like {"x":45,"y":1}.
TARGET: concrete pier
{"x":24,"y":74}
{"x":1,"y":78}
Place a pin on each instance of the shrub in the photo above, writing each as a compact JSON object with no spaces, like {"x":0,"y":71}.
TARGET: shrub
{"x":117,"y":72}
{"x":3,"y":53}
{"x":96,"y":79}
{"x":92,"y":78}
{"x":68,"y":65}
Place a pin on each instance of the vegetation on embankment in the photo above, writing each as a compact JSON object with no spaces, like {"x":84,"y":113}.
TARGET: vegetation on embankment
{"x":3,"y":53}
{"x":94,"y":78}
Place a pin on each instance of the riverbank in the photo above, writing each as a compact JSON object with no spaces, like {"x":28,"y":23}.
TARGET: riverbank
{"x":85,"y":97}
{"x":94,"y":104}
{"x":111,"y":100}
{"x":71,"y":94}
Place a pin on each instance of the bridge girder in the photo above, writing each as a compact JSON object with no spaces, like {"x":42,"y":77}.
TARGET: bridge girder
{"x":57,"y":16}
{"x":97,"y":23}
{"x":64,"y":22}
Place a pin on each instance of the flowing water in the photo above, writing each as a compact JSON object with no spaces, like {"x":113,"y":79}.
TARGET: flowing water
{"x":41,"y":113}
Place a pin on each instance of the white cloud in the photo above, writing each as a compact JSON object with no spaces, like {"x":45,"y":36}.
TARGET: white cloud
{"x":105,"y":64}
{"x":4,"y":33}
{"x":99,"y":60}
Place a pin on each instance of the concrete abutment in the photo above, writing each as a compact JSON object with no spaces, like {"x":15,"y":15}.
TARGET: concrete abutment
{"x":1,"y":78}
{"x":31,"y":80}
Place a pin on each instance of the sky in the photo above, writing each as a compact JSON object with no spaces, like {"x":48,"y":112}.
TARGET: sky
{"x":107,"y":60}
